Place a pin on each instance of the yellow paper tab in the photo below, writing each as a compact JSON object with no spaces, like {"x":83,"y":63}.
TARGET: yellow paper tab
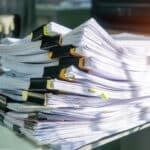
{"x":31,"y":35}
{"x":45,"y":99}
{"x":49,"y":84}
{"x":92,"y":90}
{"x":103,"y":96}
{"x":45,"y":31}
{"x":24,"y":95}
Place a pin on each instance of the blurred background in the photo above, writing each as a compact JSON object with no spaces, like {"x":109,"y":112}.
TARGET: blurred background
{"x":19,"y":17}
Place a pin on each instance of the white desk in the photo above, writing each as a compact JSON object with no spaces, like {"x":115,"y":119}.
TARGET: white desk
{"x":133,"y":139}
{"x":10,"y":141}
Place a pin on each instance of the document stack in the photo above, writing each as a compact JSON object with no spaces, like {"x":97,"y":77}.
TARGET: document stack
{"x":68,"y":88}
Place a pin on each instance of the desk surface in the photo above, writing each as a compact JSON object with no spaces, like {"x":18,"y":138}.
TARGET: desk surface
{"x":10,"y":141}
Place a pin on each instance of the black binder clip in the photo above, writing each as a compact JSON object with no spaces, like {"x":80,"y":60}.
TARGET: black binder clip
{"x":52,"y":72}
{"x":51,"y":41}
{"x":60,"y":51}
{"x":37,"y":97}
{"x":38,"y":33}
{"x":37,"y":83}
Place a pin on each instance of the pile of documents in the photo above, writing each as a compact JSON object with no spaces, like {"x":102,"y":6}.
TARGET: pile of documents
{"x":68,"y":88}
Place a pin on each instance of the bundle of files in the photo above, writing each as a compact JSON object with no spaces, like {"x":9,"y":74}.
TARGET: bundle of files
{"x":68,"y":88}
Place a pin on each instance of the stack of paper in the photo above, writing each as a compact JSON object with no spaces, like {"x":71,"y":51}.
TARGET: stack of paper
{"x":57,"y":82}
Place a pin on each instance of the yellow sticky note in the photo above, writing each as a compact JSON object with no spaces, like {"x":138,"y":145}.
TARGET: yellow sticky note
{"x":103,"y":96}
{"x":92,"y":90}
